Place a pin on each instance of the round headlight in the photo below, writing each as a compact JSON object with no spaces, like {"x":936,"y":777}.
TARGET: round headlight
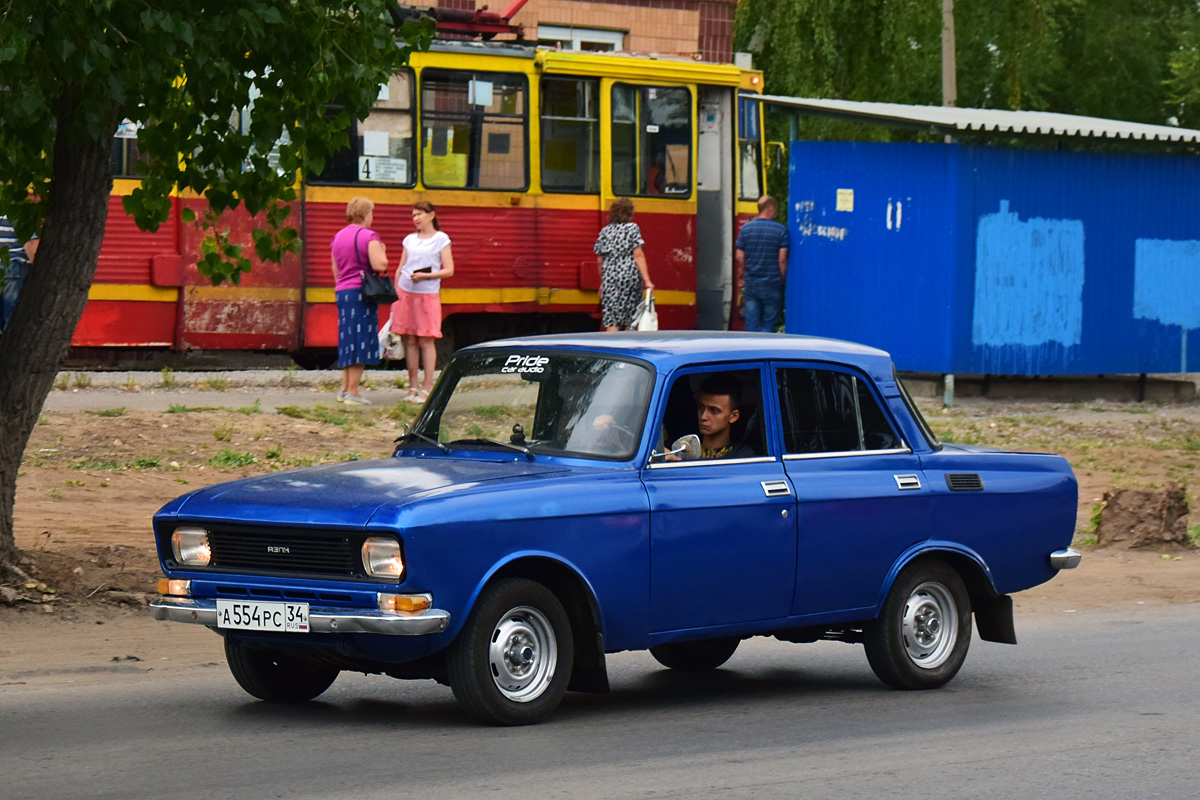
{"x":381,"y":557}
{"x":190,"y":546}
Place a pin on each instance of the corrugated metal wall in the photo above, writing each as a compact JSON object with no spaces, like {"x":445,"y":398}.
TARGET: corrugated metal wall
{"x":988,"y":260}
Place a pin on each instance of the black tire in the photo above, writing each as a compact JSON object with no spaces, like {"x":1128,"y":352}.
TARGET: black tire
{"x":701,"y":656}
{"x":921,"y":637}
{"x":269,"y":676}
{"x":512,"y":660}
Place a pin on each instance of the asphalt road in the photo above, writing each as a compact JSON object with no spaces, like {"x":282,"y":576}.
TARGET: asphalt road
{"x":1087,"y":706}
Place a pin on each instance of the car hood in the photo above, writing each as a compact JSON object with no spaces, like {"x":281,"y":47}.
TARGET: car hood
{"x":349,"y":494}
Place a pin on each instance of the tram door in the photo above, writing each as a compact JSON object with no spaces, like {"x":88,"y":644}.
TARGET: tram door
{"x":714,"y":207}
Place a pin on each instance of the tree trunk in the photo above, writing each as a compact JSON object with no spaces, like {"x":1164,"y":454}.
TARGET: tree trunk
{"x":51,"y":301}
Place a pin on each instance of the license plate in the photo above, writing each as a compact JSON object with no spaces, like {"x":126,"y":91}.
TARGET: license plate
{"x":253,"y":615}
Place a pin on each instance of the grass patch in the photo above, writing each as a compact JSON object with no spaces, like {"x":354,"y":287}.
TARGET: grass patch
{"x":168,"y":378}
{"x":62,"y":382}
{"x":81,"y":380}
{"x":253,"y":408}
{"x":108,"y":412}
{"x":330,"y":385}
{"x":54,"y":494}
{"x":1094,"y":521}
{"x":1194,"y":534}
{"x":490,"y":412}
{"x":401,"y":381}
{"x":1088,"y":541}
{"x":223,"y":433}
{"x":146,"y":463}
{"x":232,"y":458}
{"x":215,"y":384}
{"x":315,"y":414}
{"x":91,"y":462}
{"x":76,"y":483}
{"x":179,"y":408}
{"x":43,"y":420}
{"x":275,"y":453}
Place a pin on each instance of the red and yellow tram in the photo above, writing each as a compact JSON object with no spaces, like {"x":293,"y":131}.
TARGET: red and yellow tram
{"x":522,"y":150}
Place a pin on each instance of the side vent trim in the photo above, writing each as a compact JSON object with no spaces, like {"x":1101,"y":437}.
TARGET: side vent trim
{"x":964,"y":482}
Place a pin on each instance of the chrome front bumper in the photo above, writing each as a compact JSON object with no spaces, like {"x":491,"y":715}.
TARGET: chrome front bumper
{"x":1067,"y":558}
{"x":203,"y":611}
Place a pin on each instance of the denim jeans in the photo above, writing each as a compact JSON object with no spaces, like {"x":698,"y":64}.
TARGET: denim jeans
{"x":762,"y":307}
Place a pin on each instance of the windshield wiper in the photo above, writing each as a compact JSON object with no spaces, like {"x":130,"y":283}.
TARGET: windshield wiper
{"x":519,"y":448}
{"x":414,"y":435}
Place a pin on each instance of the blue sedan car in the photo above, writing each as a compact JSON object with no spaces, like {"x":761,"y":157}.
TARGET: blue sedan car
{"x":564,"y":497}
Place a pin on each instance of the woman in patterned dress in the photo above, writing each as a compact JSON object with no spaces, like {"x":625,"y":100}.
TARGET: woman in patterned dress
{"x":355,"y":249}
{"x":623,"y":272}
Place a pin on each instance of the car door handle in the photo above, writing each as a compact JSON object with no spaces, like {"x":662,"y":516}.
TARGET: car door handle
{"x":775,"y":488}
{"x":904,"y":482}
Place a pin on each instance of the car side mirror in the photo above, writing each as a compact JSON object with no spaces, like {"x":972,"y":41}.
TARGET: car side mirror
{"x":686,"y":447}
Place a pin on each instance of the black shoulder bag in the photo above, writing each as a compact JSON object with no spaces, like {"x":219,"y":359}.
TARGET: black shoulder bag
{"x":377,"y":288}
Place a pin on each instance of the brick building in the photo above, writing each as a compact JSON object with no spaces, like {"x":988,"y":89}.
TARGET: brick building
{"x":700,"y":29}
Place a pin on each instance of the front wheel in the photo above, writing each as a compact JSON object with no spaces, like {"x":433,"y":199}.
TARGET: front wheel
{"x":270,"y":676}
{"x":511,"y":662}
{"x":699,"y":656}
{"x":921,"y":637}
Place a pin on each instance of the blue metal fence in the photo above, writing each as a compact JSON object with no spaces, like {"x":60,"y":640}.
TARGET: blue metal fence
{"x":989,"y":260}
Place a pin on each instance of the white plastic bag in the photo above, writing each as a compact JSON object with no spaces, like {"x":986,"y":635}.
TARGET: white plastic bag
{"x":391,"y":346}
{"x":645,"y":317}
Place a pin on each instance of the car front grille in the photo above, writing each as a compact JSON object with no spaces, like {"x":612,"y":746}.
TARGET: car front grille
{"x":315,"y":553}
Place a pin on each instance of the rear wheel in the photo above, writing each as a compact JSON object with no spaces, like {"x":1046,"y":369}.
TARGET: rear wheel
{"x":511,"y":662}
{"x":272,"y":677}
{"x":921,"y":637}
{"x":695,"y":656}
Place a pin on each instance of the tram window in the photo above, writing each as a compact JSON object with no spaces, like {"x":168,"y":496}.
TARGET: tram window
{"x":380,"y":148}
{"x":571,"y":135}
{"x":749,"y":150}
{"x":473,"y":130}
{"x":651,"y":140}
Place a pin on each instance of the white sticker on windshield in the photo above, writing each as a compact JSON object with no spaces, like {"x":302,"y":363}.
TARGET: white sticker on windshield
{"x":525,"y":364}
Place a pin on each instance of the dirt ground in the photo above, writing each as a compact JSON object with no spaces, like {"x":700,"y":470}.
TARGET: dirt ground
{"x":97,"y":468}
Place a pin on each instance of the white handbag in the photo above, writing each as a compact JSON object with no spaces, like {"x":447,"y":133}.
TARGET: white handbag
{"x":645,"y":317}
{"x":391,"y":346}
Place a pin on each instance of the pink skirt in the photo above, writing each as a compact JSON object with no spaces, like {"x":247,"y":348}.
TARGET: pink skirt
{"x":417,"y":314}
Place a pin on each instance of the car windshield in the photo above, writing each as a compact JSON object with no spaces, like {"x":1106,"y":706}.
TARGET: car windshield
{"x":546,"y":402}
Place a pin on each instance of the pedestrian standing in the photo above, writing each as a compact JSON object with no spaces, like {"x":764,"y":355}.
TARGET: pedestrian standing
{"x":355,"y":249}
{"x":761,"y":254}
{"x":417,"y":315}
{"x":19,"y":258}
{"x":623,"y":272}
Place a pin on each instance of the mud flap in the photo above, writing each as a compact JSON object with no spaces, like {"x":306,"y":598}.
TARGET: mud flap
{"x":994,"y":619}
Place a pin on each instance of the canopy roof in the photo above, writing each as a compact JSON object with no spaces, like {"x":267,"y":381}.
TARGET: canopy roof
{"x":950,"y":120}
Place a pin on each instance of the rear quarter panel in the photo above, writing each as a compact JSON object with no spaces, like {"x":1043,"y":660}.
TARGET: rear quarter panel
{"x":1025,"y":511}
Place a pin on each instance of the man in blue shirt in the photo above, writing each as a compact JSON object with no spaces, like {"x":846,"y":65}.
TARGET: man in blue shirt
{"x":14,"y":271}
{"x":762,"y":246}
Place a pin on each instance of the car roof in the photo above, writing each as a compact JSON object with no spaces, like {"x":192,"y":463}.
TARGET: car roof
{"x":668,"y":350}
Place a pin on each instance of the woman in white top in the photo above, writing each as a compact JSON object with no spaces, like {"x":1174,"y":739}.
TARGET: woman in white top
{"x":417,"y":315}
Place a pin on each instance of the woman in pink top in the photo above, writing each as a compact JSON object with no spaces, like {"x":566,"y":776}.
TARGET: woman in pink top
{"x":355,"y":249}
{"x":417,"y":315}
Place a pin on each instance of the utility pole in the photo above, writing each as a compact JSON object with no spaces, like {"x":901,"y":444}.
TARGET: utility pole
{"x":949,"y":74}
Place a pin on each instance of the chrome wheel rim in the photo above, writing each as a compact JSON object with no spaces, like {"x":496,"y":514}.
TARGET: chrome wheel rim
{"x":522,"y":654}
{"x":930,"y":626}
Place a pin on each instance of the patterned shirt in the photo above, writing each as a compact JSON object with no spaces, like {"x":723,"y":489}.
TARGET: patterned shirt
{"x":761,"y":240}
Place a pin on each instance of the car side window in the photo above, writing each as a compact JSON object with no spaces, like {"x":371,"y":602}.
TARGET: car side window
{"x":826,"y":411}
{"x":747,"y":435}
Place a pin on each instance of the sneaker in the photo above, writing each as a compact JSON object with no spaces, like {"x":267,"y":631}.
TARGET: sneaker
{"x":341,"y":397}
{"x":355,"y":400}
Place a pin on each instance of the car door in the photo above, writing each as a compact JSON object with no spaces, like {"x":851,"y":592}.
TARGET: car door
{"x":861,"y":498}
{"x":722,"y":532}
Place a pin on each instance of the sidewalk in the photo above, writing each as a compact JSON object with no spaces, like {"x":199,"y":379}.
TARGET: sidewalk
{"x":272,"y":388}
